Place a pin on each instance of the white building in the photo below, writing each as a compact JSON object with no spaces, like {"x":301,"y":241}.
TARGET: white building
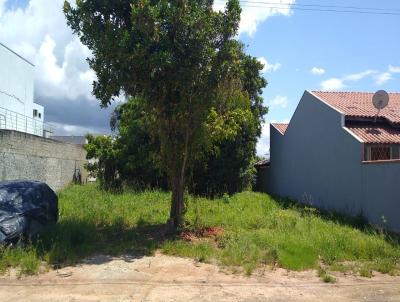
{"x":17,"y":108}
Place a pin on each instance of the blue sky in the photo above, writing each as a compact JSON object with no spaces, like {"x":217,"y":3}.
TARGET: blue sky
{"x":340,"y":43}
{"x":12,"y":4}
{"x":347,"y":51}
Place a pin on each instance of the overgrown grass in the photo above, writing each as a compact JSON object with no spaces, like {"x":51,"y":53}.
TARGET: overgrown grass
{"x":257,"y":231}
{"x":325,"y":277}
{"x":260,"y":230}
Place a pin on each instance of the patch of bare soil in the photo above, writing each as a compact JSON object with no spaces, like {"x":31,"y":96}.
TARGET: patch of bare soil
{"x":196,"y":235}
{"x":164,"y":278}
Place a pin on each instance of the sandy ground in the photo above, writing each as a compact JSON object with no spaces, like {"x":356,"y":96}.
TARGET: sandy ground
{"x":164,"y":278}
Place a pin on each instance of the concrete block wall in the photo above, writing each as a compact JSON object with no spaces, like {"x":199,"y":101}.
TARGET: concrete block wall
{"x":26,"y":156}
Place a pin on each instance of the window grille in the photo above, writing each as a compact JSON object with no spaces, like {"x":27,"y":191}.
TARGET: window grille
{"x":381,"y":152}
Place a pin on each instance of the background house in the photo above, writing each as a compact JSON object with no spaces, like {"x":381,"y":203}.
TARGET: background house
{"x":333,"y":155}
{"x":26,"y":151}
{"x":18,"y":111}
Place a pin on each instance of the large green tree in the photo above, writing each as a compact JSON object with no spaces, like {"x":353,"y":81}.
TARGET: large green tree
{"x":235,"y":126}
{"x":138,"y":149}
{"x":176,"y":55}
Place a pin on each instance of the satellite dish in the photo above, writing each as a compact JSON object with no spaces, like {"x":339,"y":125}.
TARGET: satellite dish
{"x":380,"y":101}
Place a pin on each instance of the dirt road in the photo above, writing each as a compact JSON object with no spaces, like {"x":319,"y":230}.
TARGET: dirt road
{"x":163,"y":278}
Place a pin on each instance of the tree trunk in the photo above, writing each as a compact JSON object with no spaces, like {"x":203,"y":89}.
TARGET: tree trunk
{"x":177,"y":203}
{"x":178,"y":187}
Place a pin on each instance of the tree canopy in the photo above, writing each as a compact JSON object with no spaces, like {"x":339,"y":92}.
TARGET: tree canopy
{"x":181,"y":58}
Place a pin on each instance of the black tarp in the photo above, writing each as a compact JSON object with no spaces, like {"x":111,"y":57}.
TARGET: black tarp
{"x":25,"y":208}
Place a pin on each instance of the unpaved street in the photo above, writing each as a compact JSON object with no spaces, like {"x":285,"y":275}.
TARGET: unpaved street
{"x":164,"y":278}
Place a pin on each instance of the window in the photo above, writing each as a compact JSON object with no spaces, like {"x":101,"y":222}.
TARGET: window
{"x":396,"y":152}
{"x":381,"y":152}
{"x":35,"y":113}
{"x":40,"y":115}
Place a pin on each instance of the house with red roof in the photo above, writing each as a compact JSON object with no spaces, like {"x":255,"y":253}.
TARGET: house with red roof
{"x":337,"y":153}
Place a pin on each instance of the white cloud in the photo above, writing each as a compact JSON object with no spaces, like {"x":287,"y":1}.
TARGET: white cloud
{"x":359,"y":76}
{"x":332,"y":84}
{"x":71,"y":79}
{"x":279,"y":101}
{"x":263,"y":141}
{"x":317,"y":71}
{"x":340,"y":83}
{"x":255,"y":13}
{"x":24,"y":30}
{"x":383,"y":78}
{"x":394,"y":69}
{"x":48,"y":62}
{"x":268,"y":67}
{"x":66,"y":129}
{"x":2,"y":4}
{"x":39,"y":33}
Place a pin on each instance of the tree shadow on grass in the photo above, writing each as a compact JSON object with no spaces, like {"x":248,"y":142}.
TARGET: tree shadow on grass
{"x":359,"y":221}
{"x":71,"y":241}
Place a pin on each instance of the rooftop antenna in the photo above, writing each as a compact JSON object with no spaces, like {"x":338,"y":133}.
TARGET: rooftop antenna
{"x":380,"y":101}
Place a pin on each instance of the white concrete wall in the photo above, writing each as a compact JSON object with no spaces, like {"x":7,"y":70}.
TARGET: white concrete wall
{"x":16,"y":94}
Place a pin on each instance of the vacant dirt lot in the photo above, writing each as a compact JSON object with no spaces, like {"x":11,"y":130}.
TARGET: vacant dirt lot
{"x":164,"y":278}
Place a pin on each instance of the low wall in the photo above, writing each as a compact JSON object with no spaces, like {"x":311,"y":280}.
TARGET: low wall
{"x":30,"y":157}
{"x":375,"y":193}
{"x":381,"y":193}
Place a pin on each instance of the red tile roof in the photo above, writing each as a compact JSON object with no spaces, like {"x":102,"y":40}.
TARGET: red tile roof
{"x":280,"y":127}
{"x":376,"y":134}
{"x":359,"y":104}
